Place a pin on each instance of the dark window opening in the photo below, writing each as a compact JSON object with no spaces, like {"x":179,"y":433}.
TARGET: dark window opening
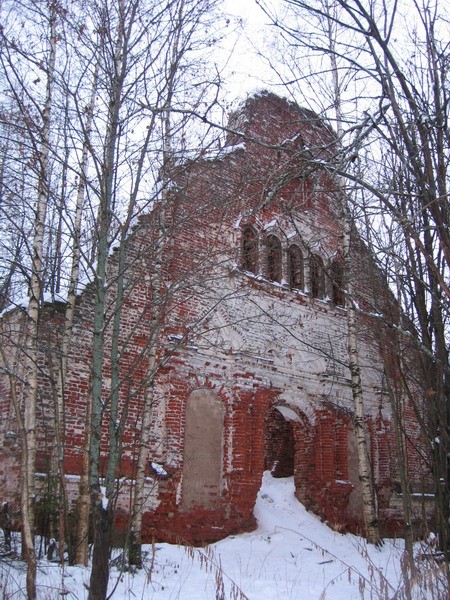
{"x":295,"y":267}
{"x":249,"y":250}
{"x":337,"y":279}
{"x":316,"y":274}
{"x":274,"y":269}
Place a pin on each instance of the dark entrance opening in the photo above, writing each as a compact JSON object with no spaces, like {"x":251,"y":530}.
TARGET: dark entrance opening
{"x":280,"y":445}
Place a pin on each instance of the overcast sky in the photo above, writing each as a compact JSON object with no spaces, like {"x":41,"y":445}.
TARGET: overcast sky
{"x":247,"y":71}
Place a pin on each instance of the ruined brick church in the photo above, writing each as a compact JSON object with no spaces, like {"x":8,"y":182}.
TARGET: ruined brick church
{"x":250,"y":353}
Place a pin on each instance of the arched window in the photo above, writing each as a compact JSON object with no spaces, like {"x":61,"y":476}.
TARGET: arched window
{"x":316,"y":276}
{"x":337,"y":282}
{"x":295,"y":267}
{"x":274,"y":270}
{"x":249,"y":249}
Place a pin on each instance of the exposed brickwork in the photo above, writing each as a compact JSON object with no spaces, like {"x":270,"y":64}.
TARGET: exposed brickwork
{"x":274,"y":356}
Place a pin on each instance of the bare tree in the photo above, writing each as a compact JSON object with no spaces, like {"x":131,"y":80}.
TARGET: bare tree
{"x":394,"y":151}
{"x":38,"y":126}
{"x":104,"y":157}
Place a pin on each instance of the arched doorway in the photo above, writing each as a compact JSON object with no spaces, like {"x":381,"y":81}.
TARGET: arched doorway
{"x":203,"y":450}
{"x":280,"y":441}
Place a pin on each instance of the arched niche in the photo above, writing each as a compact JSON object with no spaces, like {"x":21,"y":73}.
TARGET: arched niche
{"x":295,"y":267}
{"x":316,"y":276}
{"x":249,"y":250}
{"x":203,"y":450}
{"x":274,"y":258}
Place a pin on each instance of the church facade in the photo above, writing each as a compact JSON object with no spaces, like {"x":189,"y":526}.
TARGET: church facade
{"x":234,"y":315}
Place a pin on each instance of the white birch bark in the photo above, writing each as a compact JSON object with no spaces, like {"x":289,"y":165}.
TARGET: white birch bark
{"x":364,"y":464}
{"x":31,"y":390}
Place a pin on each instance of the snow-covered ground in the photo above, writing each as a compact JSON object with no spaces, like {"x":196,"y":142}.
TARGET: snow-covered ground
{"x":291,"y":555}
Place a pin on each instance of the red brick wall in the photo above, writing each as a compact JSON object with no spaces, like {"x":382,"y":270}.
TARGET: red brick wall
{"x":256,"y":344}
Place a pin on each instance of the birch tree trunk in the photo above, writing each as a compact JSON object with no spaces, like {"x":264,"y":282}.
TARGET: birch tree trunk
{"x":83,"y":510}
{"x":31,"y":390}
{"x":364,"y":466}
